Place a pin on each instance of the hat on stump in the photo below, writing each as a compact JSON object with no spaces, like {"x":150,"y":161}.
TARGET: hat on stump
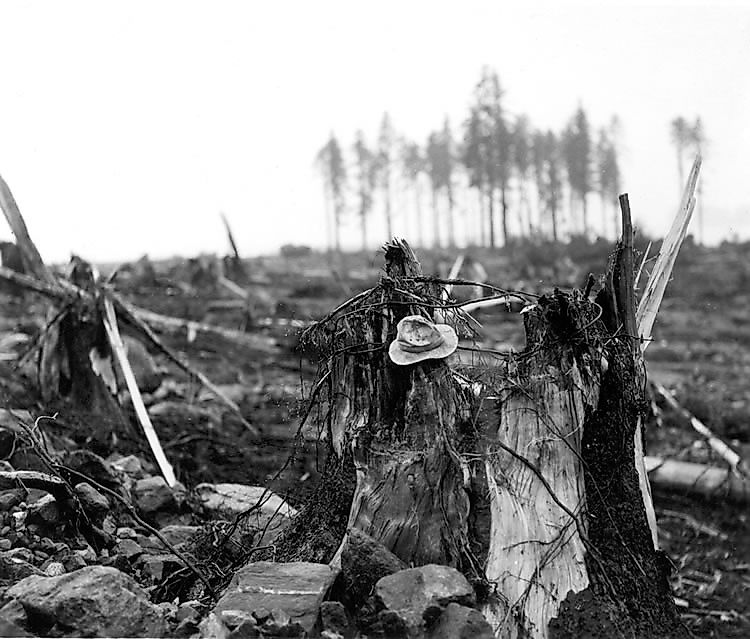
{"x":418,"y":339}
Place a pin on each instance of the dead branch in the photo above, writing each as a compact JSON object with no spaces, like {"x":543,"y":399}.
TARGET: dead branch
{"x":29,"y":253}
{"x":717,"y":445}
{"x":133,"y":316}
{"x":118,"y":348}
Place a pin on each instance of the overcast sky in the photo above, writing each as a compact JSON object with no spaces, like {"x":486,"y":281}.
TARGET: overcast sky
{"x":125,"y":128}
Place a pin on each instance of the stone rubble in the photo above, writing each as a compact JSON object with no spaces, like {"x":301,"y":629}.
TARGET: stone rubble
{"x":55,"y":581}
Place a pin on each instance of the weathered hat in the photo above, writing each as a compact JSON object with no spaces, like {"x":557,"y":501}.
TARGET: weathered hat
{"x":418,"y":339}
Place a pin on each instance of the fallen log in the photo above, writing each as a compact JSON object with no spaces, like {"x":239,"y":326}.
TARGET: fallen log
{"x":690,"y":478}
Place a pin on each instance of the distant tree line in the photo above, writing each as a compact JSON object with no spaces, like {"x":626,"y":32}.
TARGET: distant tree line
{"x":496,"y":179}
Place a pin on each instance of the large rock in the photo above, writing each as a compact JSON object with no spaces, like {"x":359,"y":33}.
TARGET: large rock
{"x":364,"y":561}
{"x":417,"y":596}
{"x":93,"y":466}
{"x":460,"y":622}
{"x":177,"y":534}
{"x":226,"y":501}
{"x":44,"y":512}
{"x":296,"y":588}
{"x":14,"y":567}
{"x":91,"y":602}
{"x":153,"y":495}
{"x":94,"y":504}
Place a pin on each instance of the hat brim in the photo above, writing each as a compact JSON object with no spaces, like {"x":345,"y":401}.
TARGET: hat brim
{"x":448,"y":346}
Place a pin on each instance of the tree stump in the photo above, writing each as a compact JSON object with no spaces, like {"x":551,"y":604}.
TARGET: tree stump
{"x":537,"y":500}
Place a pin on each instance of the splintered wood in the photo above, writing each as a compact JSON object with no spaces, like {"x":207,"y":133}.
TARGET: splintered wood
{"x":537,"y":496}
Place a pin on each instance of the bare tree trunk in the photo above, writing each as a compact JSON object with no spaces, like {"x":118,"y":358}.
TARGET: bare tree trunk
{"x":482,"y":216}
{"x":435,"y":218}
{"x":504,"y":212}
{"x":451,"y":221}
{"x":585,"y":214}
{"x":363,"y":225}
{"x":491,"y":214}
{"x":553,"y":214}
{"x":418,"y":208}
{"x":388,"y":212}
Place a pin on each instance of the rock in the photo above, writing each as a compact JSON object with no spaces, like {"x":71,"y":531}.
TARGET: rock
{"x":233,"y":618}
{"x":5,"y":544}
{"x":93,"y":466}
{"x":20,"y":553}
{"x":9,"y":629}
{"x":120,"y":562}
{"x":54,"y":569}
{"x":460,"y":622}
{"x":364,"y":561}
{"x":95,"y":505}
{"x":177,"y":534}
{"x":74,"y":561}
{"x":295,"y":588}
{"x":14,"y":568}
{"x":333,"y":618}
{"x":14,"y":612}
{"x":130,"y":465}
{"x":88,"y":554}
{"x":188,"y":617}
{"x":129,"y":549}
{"x":157,"y":567}
{"x":186,"y":629}
{"x":12,"y":497}
{"x":418,"y":595}
{"x":246,"y":630}
{"x":125,"y":532}
{"x":226,"y":501}
{"x":93,"y":601}
{"x":212,"y":628}
{"x":153,"y":495}
{"x":19,"y":519}
{"x":188,"y":610}
{"x":168,"y":609}
{"x":44,"y":512}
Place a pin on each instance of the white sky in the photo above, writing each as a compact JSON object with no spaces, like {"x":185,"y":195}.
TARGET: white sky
{"x":126,"y":127}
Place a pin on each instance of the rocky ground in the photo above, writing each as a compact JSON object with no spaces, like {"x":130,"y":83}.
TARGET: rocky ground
{"x":93,"y":542}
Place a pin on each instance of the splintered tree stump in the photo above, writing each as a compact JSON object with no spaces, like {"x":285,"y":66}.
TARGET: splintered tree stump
{"x":394,"y":434}
{"x":535,"y":472}
{"x":535,"y":495}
